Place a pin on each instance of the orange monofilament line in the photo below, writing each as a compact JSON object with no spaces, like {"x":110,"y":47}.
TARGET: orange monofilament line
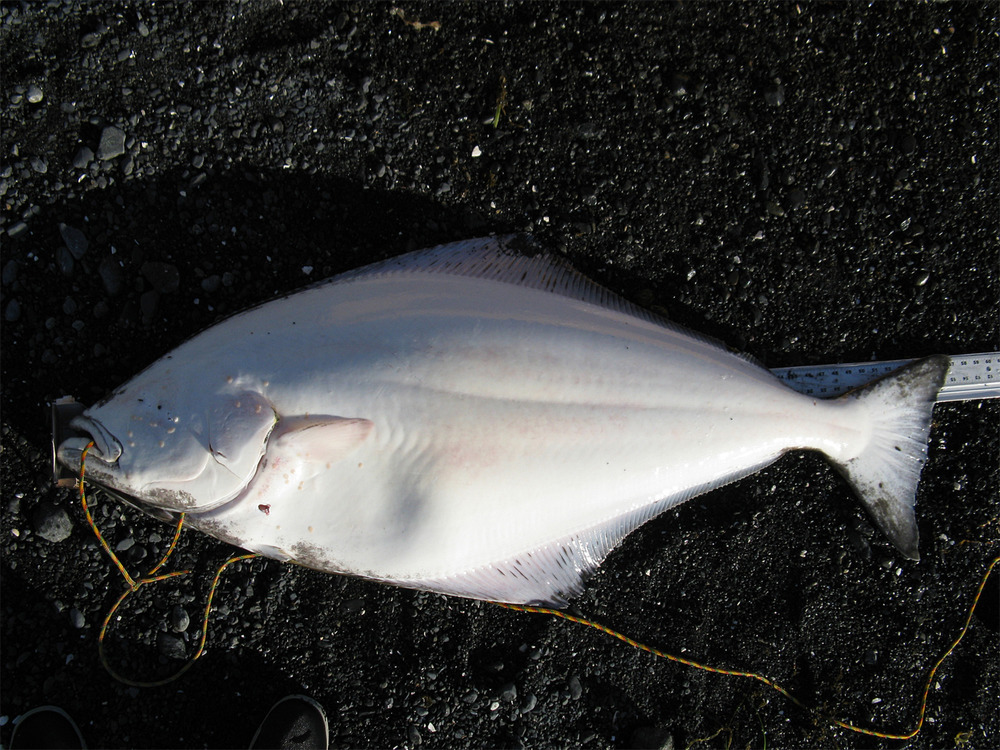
{"x":761,"y":678}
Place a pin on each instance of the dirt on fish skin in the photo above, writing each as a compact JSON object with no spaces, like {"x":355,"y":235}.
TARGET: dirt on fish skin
{"x":808,"y":183}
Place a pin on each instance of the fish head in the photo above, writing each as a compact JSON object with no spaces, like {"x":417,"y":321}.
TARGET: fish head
{"x":178,"y":454}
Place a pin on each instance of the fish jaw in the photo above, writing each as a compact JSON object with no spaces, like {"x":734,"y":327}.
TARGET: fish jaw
{"x":172,"y":456}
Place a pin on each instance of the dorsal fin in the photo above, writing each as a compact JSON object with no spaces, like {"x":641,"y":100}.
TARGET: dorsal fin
{"x":513,"y":259}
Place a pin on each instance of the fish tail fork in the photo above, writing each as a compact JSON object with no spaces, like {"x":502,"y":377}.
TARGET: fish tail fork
{"x":885,"y":474}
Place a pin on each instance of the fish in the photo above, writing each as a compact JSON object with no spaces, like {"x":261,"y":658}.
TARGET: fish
{"x":477,"y":419}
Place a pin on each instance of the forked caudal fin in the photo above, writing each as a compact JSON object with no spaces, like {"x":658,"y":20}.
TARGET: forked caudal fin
{"x":886,"y":473}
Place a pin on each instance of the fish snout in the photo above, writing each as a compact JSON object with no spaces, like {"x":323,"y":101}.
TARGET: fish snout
{"x":106,"y":449}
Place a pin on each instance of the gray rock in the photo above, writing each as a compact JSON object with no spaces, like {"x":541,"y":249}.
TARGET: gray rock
{"x":83,"y":157}
{"x":34,"y":94}
{"x":112,"y":143}
{"x":179,"y":619}
{"x":51,"y":523}
{"x":164,"y":277}
{"x":171,"y":646}
{"x":10,"y":269}
{"x":652,"y":738}
{"x":76,"y":241}
{"x":111,"y":275}
{"x":76,"y":617}
{"x":13,"y":311}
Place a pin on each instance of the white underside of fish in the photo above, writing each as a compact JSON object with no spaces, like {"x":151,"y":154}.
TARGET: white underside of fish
{"x":482,"y":424}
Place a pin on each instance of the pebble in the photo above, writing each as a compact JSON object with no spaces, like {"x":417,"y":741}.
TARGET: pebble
{"x":13,"y":311}
{"x":111,"y":275}
{"x":509,"y":692}
{"x":39,"y":165}
{"x":84,"y":155}
{"x":64,"y":259}
{"x":530,"y":701}
{"x":34,"y":94}
{"x":9,"y":272}
{"x":17,"y":229}
{"x":76,"y":617}
{"x":76,"y":241}
{"x":164,"y":277}
{"x":575,"y":688}
{"x":112,"y":143}
{"x":774,"y":95}
{"x":51,"y":523}
{"x":179,"y":619}
{"x":171,"y":646}
{"x":651,"y":738}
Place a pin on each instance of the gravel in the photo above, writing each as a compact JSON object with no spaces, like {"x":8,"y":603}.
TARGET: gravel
{"x":809,"y":183}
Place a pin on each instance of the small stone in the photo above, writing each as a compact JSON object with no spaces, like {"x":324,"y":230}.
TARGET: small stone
{"x":76,"y":617}
{"x":112,"y":143}
{"x":509,"y":692}
{"x":83,"y":157}
{"x":179,"y":619}
{"x":39,"y":165}
{"x":10,"y":269}
{"x":51,"y":523}
{"x":34,"y":94}
{"x":651,"y":738}
{"x":774,"y":95}
{"x":413,"y":735}
{"x":164,"y":277}
{"x":17,"y":229}
{"x":211,"y":283}
{"x":530,"y":701}
{"x":13,"y":311}
{"x":76,"y":241}
{"x":111,"y":275}
{"x":575,"y":688}
{"x":922,"y":279}
{"x":64,"y":259}
{"x":171,"y":646}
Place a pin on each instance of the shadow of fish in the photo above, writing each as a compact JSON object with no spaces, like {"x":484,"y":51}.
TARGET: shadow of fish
{"x":475,"y":420}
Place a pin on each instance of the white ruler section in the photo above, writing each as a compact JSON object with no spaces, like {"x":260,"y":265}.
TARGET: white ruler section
{"x":970,"y":376}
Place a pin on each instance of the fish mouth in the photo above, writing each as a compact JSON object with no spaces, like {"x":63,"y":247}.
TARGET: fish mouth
{"x":106,"y":447}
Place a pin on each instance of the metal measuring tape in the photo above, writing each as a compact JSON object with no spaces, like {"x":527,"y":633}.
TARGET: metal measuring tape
{"x":970,"y":376}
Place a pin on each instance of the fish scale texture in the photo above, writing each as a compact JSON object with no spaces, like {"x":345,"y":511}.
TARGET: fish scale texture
{"x":808,"y":183}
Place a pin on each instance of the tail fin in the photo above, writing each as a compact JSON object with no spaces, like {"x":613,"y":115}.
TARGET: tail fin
{"x":885,"y":474}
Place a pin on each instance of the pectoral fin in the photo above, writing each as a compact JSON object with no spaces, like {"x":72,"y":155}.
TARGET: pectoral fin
{"x":321,"y":438}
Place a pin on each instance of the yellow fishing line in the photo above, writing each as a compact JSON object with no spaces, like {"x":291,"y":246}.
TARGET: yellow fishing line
{"x":134,"y":585}
{"x":767,"y":681}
